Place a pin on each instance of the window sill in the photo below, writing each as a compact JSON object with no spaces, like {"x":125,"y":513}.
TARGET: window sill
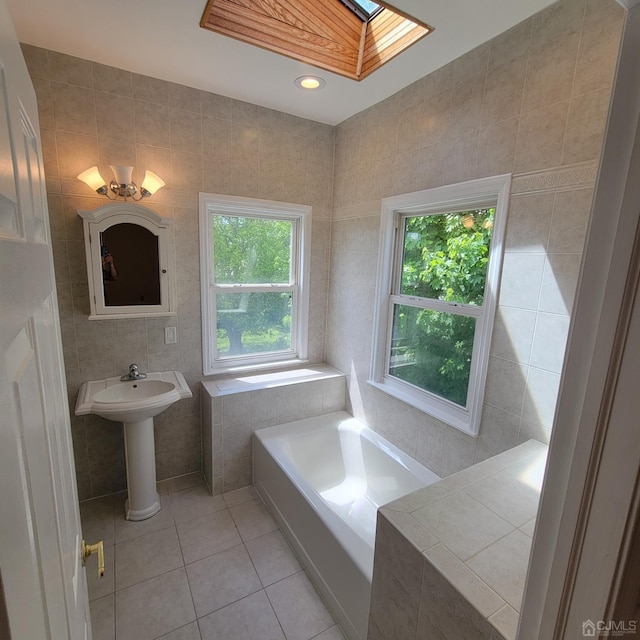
{"x":254,"y":381}
{"x":446,"y":412}
{"x":248,"y":369}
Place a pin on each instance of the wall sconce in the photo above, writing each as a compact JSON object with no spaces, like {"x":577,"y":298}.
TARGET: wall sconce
{"x":123,"y":185}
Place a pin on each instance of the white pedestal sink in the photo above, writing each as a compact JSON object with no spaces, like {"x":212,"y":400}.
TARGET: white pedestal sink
{"x":135,"y":403}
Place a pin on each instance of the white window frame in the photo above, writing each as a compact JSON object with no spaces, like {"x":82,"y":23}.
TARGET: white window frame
{"x":214,"y":204}
{"x":474,"y":194}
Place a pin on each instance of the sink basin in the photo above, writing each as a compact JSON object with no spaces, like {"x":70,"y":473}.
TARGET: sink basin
{"x":134,"y":400}
{"x":134,"y":391}
{"x":135,"y":403}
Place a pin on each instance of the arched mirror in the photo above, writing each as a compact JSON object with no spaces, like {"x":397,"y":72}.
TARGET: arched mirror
{"x":129,"y":262}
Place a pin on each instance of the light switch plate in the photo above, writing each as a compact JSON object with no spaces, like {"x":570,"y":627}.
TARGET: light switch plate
{"x":170,"y":335}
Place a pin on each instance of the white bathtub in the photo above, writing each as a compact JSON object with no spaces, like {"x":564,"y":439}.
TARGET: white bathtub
{"x":323,"y":479}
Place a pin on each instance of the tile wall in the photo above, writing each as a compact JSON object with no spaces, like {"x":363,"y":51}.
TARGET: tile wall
{"x":231,"y":415}
{"x":531,"y":102}
{"x":196,"y":141}
{"x":451,"y":559}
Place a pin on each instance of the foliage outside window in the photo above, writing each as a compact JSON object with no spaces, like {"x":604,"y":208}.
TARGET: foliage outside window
{"x":440,"y":270}
{"x":255,"y":297}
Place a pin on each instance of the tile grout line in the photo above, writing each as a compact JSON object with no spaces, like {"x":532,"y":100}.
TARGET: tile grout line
{"x":251,"y":499}
{"x":186,"y":575}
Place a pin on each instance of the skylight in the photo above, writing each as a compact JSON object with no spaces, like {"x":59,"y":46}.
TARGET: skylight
{"x":364,"y":9}
{"x":368,"y":6}
{"x":350,"y":37}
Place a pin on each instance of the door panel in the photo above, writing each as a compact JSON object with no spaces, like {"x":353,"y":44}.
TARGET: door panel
{"x":21,"y":576}
{"x":34,"y":182}
{"x":9,"y":218}
{"x":43,"y":578}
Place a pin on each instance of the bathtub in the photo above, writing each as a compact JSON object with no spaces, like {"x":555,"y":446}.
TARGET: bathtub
{"x":323,"y":480}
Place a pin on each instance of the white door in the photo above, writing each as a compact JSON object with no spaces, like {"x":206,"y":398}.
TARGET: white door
{"x":43,"y":593}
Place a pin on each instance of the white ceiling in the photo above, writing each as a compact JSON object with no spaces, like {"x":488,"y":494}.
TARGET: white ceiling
{"x":163,"y":39}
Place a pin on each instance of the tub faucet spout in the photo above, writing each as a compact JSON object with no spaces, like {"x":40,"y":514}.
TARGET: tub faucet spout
{"x":133,"y":374}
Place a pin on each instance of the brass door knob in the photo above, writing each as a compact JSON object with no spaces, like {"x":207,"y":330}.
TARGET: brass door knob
{"x":89,"y":549}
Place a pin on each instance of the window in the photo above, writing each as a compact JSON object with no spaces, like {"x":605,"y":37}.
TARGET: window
{"x":254,"y":261}
{"x":364,"y":9}
{"x":438,"y":278}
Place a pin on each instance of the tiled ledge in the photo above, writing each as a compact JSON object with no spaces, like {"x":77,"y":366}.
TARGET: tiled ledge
{"x":233,"y":407}
{"x":257,"y":381}
{"x":472,"y":534}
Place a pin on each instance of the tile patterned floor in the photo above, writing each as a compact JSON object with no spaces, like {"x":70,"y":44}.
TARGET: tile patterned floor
{"x":204,"y":568}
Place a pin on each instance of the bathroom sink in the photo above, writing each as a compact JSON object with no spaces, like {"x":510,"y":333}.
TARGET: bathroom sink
{"x":134,"y":400}
{"x":135,"y":403}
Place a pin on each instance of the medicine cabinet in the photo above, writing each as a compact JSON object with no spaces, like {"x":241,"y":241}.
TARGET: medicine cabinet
{"x":130,"y":262}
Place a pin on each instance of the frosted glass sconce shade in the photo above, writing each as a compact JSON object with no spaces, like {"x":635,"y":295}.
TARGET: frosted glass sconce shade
{"x":151,"y":183}
{"x":92,"y":178}
{"x":123,"y":184}
{"x":122,"y":173}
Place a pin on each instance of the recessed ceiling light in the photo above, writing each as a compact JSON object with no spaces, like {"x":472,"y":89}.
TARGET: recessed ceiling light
{"x":309,"y":82}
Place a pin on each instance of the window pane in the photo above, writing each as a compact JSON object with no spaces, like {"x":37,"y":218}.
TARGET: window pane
{"x":432,"y":350}
{"x":364,"y":9}
{"x":251,"y":250}
{"x":368,"y":6}
{"x":253,"y":323}
{"x":445,"y":256}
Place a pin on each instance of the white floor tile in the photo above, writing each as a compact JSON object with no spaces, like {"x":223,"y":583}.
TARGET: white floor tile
{"x":251,"y":618}
{"x":188,"y":632}
{"x":333,"y":633}
{"x":147,"y":556}
{"x":272,"y":557}
{"x":103,"y":618}
{"x":194,"y":503}
{"x":231,"y":555}
{"x":252,"y":520}
{"x":239,"y":496}
{"x":154,"y":607}
{"x":222,"y":579}
{"x":298,"y":607}
{"x":204,"y":536}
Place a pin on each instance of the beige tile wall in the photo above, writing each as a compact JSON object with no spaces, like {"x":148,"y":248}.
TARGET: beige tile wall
{"x":196,"y":141}
{"x":230,"y":418}
{"x":451,"y":558}
{"x":531,"y":102}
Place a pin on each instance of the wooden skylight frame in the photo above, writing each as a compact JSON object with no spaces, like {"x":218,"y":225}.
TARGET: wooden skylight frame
{"x":323,"y":33}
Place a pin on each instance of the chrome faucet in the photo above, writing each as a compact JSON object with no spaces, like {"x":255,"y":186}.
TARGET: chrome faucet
{"x":133,"y":374}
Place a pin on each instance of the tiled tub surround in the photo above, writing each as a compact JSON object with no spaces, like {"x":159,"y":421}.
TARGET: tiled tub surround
{"x":323,"y":480}
{"x":206,"y":567}
{"x":531,"y":102}
{"x":451,"y":559}
{"x":233,"y":408}
{"x":91,"y":114}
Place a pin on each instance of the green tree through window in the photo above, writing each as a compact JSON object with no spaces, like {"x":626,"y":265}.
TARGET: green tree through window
{"x":252,"y":251}
{"x":444,"y":258}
